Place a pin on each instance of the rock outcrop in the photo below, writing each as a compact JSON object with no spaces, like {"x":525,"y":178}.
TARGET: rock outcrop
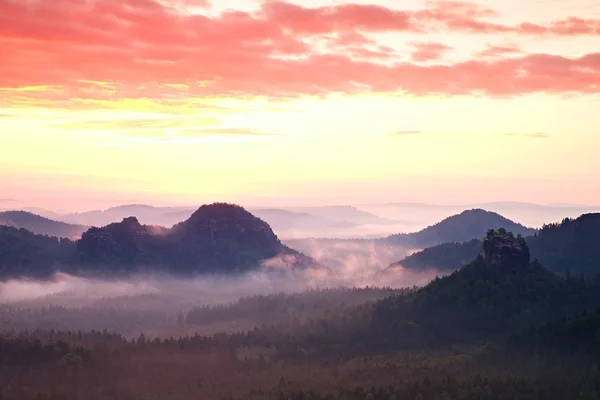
{"x":124,"y":243}
{"x":502,"y":249}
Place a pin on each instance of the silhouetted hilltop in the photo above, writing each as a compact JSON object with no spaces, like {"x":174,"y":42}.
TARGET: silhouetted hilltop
{"x":572,"y":246}
{"x":217,"y":238}
{"x":25,"y":254}
{"x":127,"y":244}
{"x":468,"y":225}
{"x":567,"y":247}
{"x":223,"y":237}
{"x":40,"y":225}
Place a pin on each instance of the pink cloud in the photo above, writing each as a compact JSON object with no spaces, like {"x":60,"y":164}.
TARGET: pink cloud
{"x":429,"y":51}
{"x":141,"y":47}
{"x":494,"y":51}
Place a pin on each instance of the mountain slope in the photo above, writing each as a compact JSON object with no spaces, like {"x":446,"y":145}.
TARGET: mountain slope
{"x":568,"y":247}
{"x":25,"y":254}
{"x":490,"y":298}
{"x":216,"y":238}
{"x":40,"y":225}
{"x":224,"y":237}
{"x":571,"y":246}
{"x":463,"y":227}
{"x":443,"y":257}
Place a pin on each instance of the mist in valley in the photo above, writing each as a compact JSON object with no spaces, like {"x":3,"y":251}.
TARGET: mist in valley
{"x":346,"y":274}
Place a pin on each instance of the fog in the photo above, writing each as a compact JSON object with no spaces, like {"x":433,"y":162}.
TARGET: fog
{"x":179,"y":293}
{"x":157,"y":303}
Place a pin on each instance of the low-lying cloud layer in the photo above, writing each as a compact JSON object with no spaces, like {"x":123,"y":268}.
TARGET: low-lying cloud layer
{"x":341,"y":264}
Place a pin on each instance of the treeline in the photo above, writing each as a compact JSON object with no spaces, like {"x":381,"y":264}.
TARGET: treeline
{"x":123,"y":320}
{"x":160,"y":315}
{"x":100,"y":365}
{"x":282,"y":307}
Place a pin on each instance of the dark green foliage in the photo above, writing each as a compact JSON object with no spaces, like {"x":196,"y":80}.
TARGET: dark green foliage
{"x":443,"y":257}
{"x":463,"y":227}
{"x":500,"y":328}
{"x":24,"y":254}
{"x":579,"y":335}
{"x":487,"y":299}
{"x":570,"y":247}
{"x":101,"y":366}
{"x":282,"y":308}
{"x":484,"y":301}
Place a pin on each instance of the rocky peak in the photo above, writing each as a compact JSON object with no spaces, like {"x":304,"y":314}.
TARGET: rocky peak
{"x":502,"y":249}
{"x":131,"y":222}
{"x":226,"y":222}
{"x":218,"y":237}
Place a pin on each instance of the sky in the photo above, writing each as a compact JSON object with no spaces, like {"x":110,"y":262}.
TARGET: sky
{"x":106,"y":102}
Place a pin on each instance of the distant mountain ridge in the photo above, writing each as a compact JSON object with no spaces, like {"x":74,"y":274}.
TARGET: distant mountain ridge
{"x":217,"y":238}
{"x":468,"y":225}
{"x":41,"y":225}
{"x":287,"y":222}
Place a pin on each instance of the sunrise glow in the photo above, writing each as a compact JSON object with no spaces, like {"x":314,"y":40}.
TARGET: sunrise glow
{"x":188,"y":101}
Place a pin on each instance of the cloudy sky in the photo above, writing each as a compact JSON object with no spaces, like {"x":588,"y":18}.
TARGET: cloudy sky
{"x":186,"y":101}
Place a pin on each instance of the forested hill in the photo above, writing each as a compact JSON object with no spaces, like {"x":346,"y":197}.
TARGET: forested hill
{"x":463,"y":227}
{"x":499,"y":294}
{"x":567,"y":247}
{"x":500,"y":328}
{"x":23,"y":253}
{"x":217,"y":238}
{"x":572,"y":246}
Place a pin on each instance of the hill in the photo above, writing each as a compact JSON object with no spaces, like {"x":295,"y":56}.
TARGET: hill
{"x":497,"y":295}
{"x":463,"y":227}
{"x":443,"y":257}
{"x":217,"y":238}
{"x":347,"y":214}
{"x":567,"y":247}
{"x":489,"y":298}
{"x":40,"y":225}
{"x":25,"y":254}
{"x":570,"y":246}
